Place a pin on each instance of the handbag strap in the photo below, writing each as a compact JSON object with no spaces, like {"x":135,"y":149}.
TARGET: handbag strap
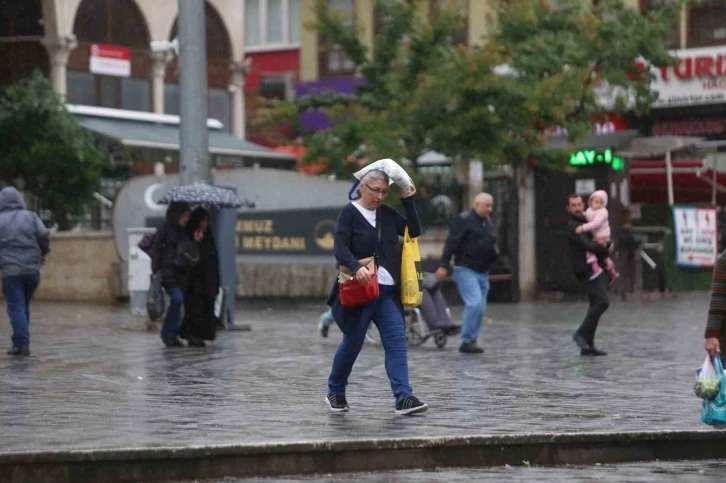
{"x":378,"y":228}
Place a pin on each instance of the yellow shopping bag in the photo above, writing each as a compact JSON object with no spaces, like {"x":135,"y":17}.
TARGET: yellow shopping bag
{"x":411,"y":276}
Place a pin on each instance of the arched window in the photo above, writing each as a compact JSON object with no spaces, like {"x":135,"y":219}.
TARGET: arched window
{"x":116,"y":22}
{"x":119,"y":23}
{"x":21,"y":29}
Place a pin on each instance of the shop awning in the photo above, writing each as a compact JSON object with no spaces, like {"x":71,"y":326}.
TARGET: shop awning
{"x":657,"y":146}
{"x":154,"y":131}
{"x":612,"y":140}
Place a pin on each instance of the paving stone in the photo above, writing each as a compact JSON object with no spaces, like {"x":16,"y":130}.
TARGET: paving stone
{"x":97,"y":379}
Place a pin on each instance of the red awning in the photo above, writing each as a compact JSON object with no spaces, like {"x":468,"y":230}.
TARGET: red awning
{"x":692,"y":181}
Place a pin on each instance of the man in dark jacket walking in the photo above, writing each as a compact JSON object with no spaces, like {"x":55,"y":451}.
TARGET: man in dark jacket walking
{"x":24,"y":243}
{"x":597,"y":286}
{"x":472,"y":242}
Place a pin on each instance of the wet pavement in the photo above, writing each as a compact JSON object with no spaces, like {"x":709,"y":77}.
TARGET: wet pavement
{"x":656,"y":472}
{"x":97,"y":379}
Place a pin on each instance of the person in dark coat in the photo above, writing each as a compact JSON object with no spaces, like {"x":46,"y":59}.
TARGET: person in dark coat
{"x":199,"y":323}
{"x":627,"y":250}
{"x":357,"y":237}
{"x":597,"y":287}
{"x":173,"y":255}
{"x":472,"y":243}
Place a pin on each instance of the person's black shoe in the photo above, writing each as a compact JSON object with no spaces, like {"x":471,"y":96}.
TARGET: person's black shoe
{"x":581,"y":342}
{"x":196,"y":343}
{"x":337,"y":404}
{"x":173,"y":343}
{"x":593,"y":351}
{"x":411,"y":405}
{"x":470,"y":348}
{"x":19,"y":350}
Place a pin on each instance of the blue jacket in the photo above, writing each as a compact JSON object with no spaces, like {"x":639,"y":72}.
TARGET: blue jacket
{"x":23,"y":237}
{"x":356,"y":239}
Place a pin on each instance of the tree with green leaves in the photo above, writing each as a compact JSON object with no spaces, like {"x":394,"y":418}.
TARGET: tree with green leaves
{"x":539,"y":67}
{"x":46,"y":152}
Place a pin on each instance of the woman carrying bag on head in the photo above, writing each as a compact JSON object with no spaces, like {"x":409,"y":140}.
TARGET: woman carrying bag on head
{"x":368,"y":290}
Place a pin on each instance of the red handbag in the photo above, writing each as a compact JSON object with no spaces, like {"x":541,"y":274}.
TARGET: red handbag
{"x":352,"y":292}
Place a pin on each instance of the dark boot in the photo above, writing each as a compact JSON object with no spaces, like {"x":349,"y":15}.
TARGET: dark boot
{"x":173,"y":343}
{"x":196,"y":342}
{"x":19,"y":350}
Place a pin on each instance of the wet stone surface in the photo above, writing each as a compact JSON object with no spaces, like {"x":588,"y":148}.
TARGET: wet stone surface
{"x":98,"y":379}
{"x":656,"y":472}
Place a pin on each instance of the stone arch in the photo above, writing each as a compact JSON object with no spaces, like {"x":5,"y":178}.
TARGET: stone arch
{"x":118,"y":22}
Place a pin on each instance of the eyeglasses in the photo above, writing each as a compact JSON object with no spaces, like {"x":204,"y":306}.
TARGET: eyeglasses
{"x":377,"y":191}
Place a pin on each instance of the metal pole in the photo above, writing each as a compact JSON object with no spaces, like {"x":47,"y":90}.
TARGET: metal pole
{"x":669,"y":174}
{"x":714,"y":179}
{"x":194,"y":138}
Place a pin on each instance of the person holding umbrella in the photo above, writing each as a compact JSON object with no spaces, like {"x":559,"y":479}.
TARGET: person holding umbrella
{"x":173,"y":255}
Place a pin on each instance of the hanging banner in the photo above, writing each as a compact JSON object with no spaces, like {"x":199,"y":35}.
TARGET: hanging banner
{"x":696,"y":232}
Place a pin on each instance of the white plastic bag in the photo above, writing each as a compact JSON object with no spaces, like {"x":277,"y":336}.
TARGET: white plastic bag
{"x":708,"y":381}
{"x":397,"y":174}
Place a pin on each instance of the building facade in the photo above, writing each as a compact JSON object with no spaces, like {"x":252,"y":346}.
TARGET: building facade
{"x":72,"y":42}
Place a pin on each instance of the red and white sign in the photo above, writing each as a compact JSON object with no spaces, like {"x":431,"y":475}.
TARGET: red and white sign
{"x":110,"y":60}
{"x":696,"y":231}
{"x":698,"y":78}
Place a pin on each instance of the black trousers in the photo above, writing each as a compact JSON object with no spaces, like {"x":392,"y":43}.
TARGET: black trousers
{"x":597,"y":293}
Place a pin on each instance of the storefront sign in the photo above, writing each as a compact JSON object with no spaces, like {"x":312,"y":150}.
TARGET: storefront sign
{"x":296,"y":232}
{"x":696,"y":231}
{"x":714,"y":128}
{"x":110,"y":60}
{"x":594,"y":157}
{"x":698,"y":78}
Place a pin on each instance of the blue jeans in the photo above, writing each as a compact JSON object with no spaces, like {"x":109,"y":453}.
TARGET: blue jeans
{"x":388,"y":318}
{"x":170,"y":329}
{"x":18,"y":290}
{"x":474,"y":289}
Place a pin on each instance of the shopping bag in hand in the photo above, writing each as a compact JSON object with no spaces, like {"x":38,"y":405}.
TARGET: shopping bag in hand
{"x":714,"y":411}
{"x":708,"y":382}
{"x":411,"y":275}
{"x":155,"y":298}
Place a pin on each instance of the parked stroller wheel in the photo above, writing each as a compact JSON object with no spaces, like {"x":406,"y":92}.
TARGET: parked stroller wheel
{"x":440,"y":340}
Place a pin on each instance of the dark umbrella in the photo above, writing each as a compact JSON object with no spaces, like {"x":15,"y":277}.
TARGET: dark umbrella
{"x":204,"y":194}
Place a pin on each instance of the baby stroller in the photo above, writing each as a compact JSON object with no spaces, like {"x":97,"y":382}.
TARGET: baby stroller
{"x":418,"y":329}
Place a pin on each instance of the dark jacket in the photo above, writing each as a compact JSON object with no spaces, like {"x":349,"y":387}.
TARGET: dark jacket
{"x":24,"y":240}
{"x":173,"y":254}
{"x":580,"y":244}
{"x":356,"y":239}
{"x":472,"y":242}
{"x":200,"y":293}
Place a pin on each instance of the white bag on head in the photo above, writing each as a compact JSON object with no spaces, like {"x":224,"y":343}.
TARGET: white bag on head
{"x":397,"y":174}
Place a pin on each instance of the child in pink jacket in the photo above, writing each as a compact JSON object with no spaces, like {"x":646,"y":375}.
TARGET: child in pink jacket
{"x":598,"y":224}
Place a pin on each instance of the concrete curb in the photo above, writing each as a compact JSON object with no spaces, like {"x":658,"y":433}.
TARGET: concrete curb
{"x":300,"y":458}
